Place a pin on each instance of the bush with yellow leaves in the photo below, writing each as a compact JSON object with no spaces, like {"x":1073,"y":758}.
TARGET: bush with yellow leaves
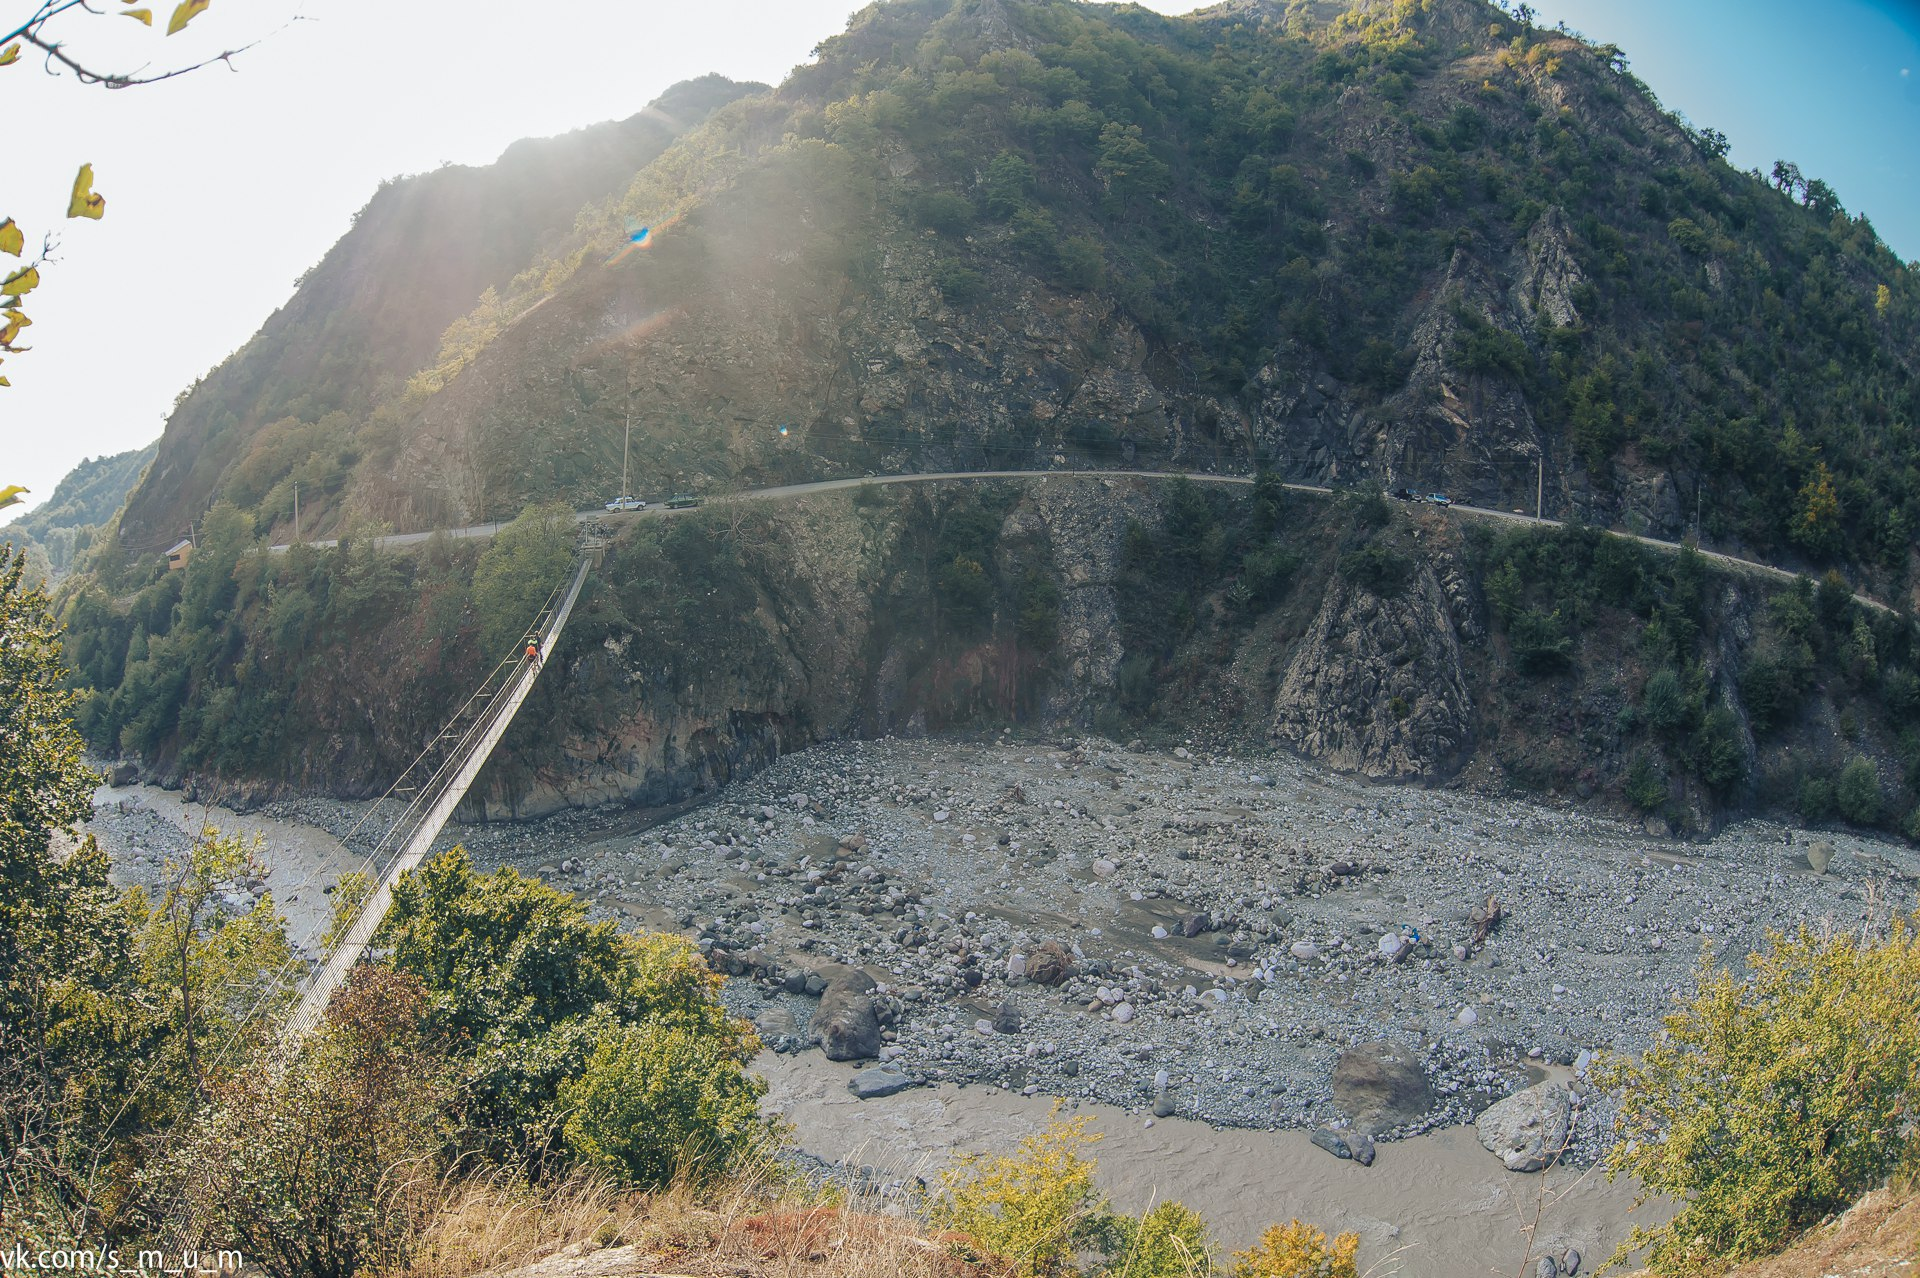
{"x":1772,"y":1101}
{"x":1170,"y":1241}
{"x":1034,"y":1213}
{"x":1297,"y":1250}
{"x":1036,"y":1209}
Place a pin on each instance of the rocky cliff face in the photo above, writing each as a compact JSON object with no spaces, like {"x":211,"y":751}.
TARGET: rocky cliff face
{"x":806,"y":647}
{"x":1378,"y":685}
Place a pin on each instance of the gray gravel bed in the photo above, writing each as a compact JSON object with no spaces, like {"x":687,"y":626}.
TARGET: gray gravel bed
{"x":1235,"y":922}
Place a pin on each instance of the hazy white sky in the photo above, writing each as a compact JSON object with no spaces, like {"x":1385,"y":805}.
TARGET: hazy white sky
{"x":223,"y":187}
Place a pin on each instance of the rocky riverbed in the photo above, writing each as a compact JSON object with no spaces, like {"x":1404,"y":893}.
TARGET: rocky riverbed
{"x":1197,"y":933}
{"x":1242,"y":940}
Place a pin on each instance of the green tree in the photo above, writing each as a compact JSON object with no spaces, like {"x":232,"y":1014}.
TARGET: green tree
{"x":656,"y":1104}
{"x":1007,"y":181}
{"x":65,"y":939}
{"x":1126,"y":166}
{"x":1646,"y":787}
{"x":1718,"y":752}
{"x":1816,"y":512}
{"x":213,"y":969}
{"x":524,"y":987}
{"x":1771,"y":1101}
{"x":966,"y":596}
{"x":1857,"y":792}
{"x":1666,"y":705}
{"x":528,"y":558}
{"x":1541,"y":644}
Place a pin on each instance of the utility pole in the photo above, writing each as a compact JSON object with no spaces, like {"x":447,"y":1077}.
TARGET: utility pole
{"x":296,"y":512}
{"x":625,"y":448}
{"x":1540,"y":487}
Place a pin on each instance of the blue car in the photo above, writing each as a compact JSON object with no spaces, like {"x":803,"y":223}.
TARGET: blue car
{"x":1440,"y":499}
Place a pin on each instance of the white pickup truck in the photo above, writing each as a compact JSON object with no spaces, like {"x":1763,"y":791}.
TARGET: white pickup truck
{"x":626,"y":503}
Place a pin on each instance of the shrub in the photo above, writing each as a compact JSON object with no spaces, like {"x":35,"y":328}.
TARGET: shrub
{"x":1814,"y":799}
{"x":1377,"y":568}
{"x":958,"y":284}
{"x":1772,"y":1101}
{"x":1036,"y":1209}
{"x":947,"y":212}
{"x":330,"y":1167}
{"x":1296,"y":1250}
{"x":1646,"y":786}
{"x":1170,"y":1241}
{"x":656,"y":1104}
{"x":1857,"y":792}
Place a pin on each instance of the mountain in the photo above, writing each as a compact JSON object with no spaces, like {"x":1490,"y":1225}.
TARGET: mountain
{"x":89,"y":496}
{"x":1409,"y":243}
{"x":424,"y":251}
{"x":1412,"y":243}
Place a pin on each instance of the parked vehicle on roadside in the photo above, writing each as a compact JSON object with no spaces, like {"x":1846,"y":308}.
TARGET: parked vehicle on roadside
{"x":1440,"y":499}
{"x":626,"y":503}
{"x":682,"y":501}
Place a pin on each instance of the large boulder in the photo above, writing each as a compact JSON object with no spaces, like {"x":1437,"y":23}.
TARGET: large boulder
{"x":878,"y":1082}
{"x":1381,"y":1085}
{"x":1528,"y":1131}
{"x":1051,"y":963}
{"x":845,"y":1024}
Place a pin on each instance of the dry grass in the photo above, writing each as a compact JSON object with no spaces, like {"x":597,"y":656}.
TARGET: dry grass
{"x":753,"y":1228}
{"x":1876,"y":1238}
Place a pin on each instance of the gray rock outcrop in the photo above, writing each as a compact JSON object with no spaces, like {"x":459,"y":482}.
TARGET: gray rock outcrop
{"x":1377,"y":685}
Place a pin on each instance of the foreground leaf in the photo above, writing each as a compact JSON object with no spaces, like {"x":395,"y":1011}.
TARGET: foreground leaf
{"x":84,"y":202}
{"x":10,"y":55}
{"x":14,"y":321}
{"x":145,"y":16}
{"x":185,"y":13}
{"x":10,"y":495}
{"x":11,"y":240}
{"x":21,"y":282}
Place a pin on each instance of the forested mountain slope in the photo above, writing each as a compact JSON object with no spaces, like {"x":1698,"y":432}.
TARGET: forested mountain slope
{"x":290,"y":404}
{"x":1404,"y":243}
{"x":61,"y":528}
{"x":1411,"y":242}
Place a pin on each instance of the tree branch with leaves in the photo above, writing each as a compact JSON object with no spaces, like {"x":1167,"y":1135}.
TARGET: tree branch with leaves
{"x":45,"y":31}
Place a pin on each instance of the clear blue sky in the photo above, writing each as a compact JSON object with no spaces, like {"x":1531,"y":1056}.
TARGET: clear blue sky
{"x":1833,"y":85}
